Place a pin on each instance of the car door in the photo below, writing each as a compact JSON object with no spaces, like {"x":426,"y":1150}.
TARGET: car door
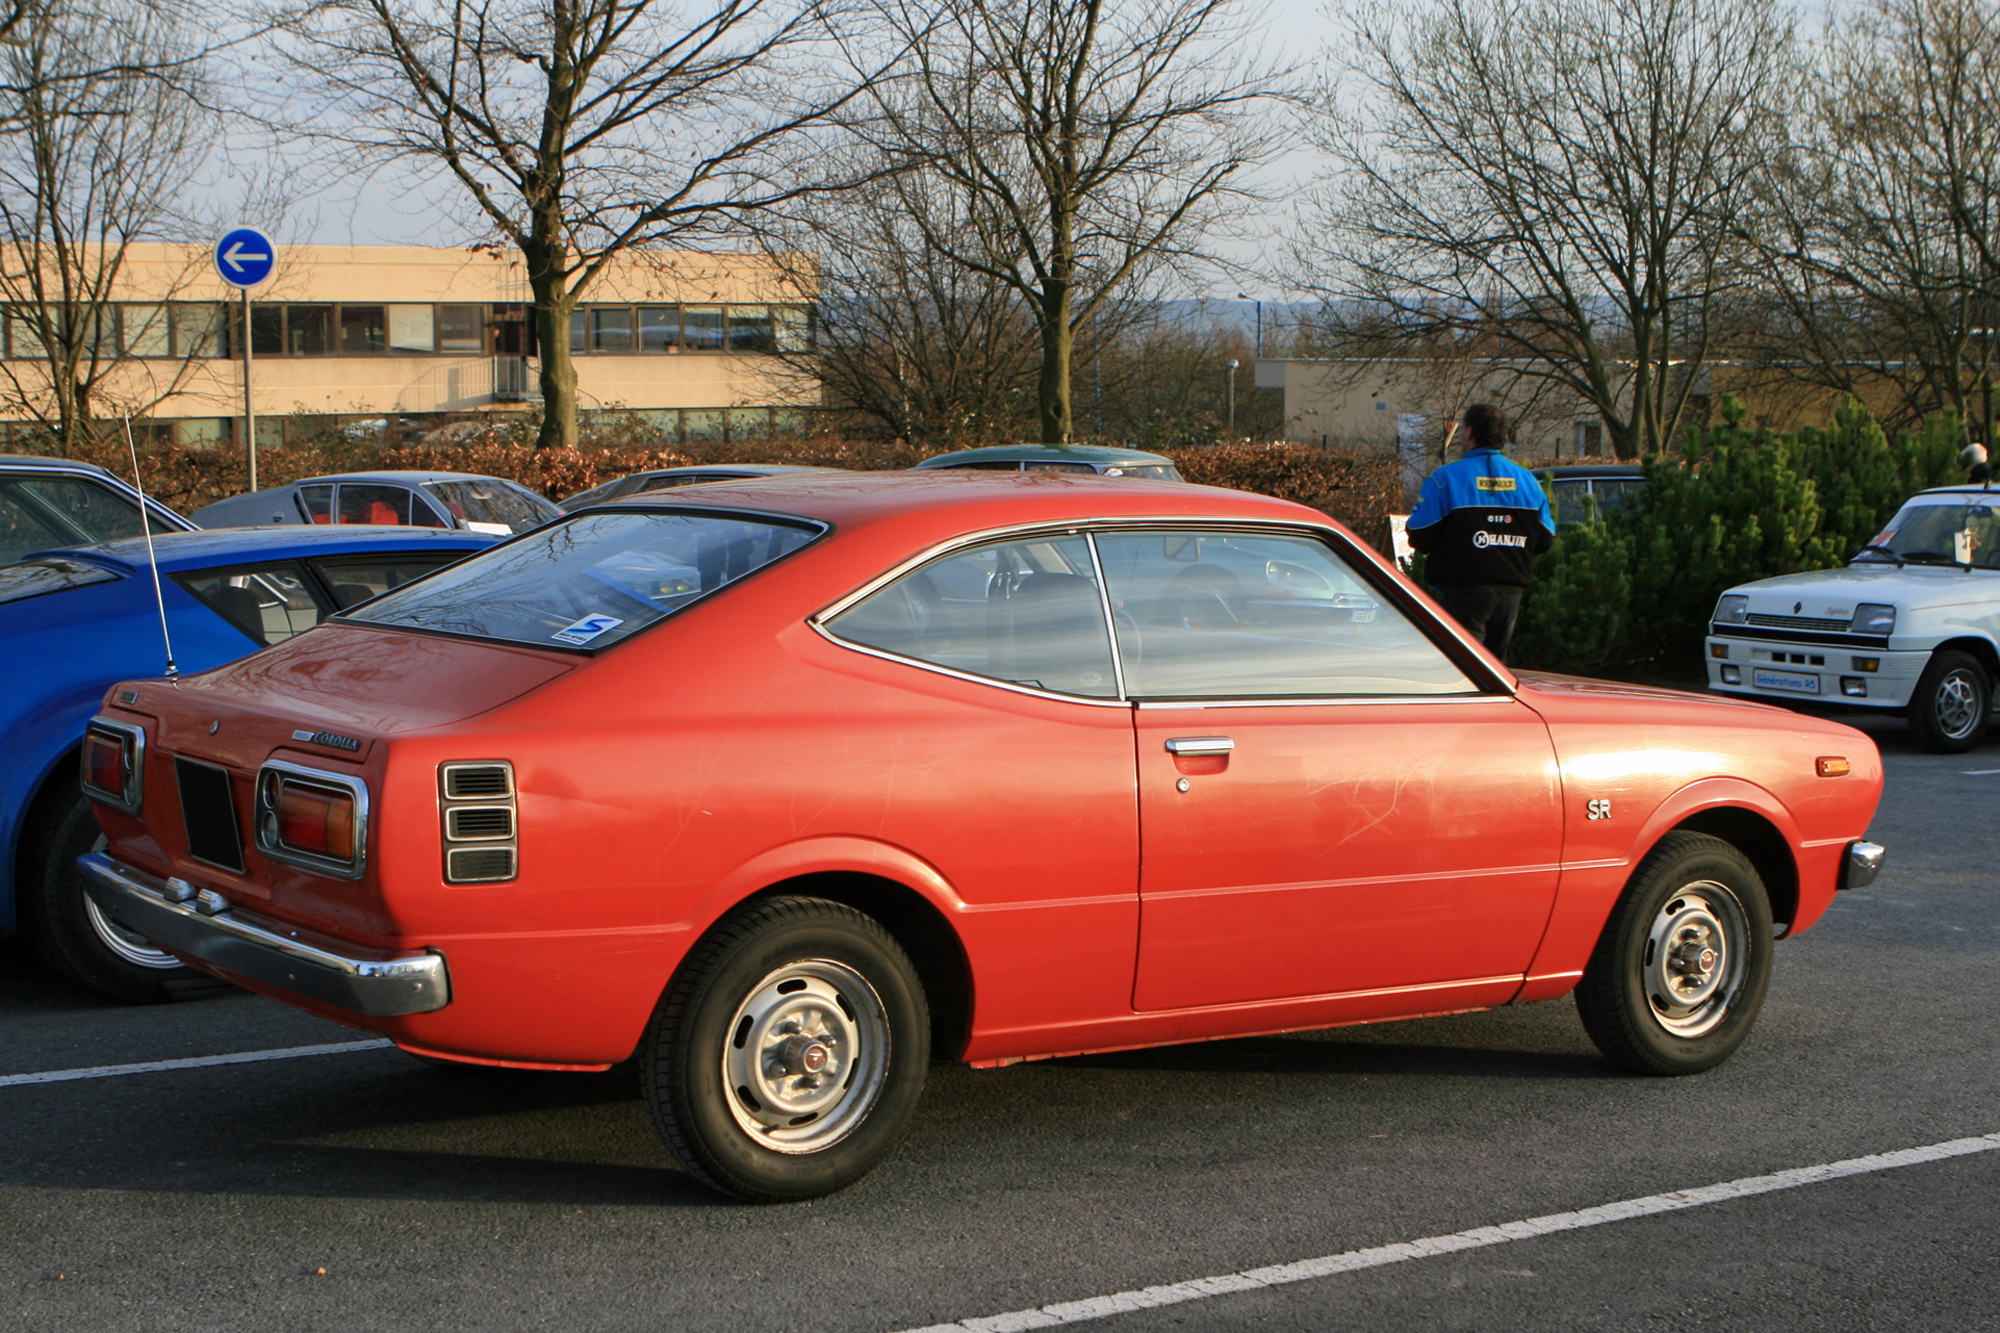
{"x":1328,"y":802}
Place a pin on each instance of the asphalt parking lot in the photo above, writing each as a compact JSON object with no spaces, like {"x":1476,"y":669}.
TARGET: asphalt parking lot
{"x":360,"y":1189}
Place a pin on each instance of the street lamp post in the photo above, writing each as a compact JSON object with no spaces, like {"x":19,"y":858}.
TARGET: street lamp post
{"x":1245,"y":296}
{"x":1232,"y":399}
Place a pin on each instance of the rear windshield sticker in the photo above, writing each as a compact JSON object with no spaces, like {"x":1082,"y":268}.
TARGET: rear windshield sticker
{"x":586,"y":629}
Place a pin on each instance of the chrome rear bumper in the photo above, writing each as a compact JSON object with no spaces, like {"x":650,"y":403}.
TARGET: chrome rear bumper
{"x":1861,"y":865}
{"x":169,"y":913}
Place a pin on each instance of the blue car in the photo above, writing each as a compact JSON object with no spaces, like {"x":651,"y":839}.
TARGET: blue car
{"x":75,"y":621}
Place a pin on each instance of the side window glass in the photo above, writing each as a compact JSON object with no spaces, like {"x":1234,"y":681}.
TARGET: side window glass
{"x":316,"y":502}
{"x":1219,"y":615}
{"x":1028,"y":612}
{"x":353,"y":582}
{"x":25,"y":526}
{"x":374,"y":504}
{"x":269,"y":605}
{"x":665,"y":483}
{"x":98,"y":512}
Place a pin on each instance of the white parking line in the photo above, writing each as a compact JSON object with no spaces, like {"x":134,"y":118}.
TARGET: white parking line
{"x":1255,"y":1279}
{"x":191,"y":1062}
{"x":1978,"y":772}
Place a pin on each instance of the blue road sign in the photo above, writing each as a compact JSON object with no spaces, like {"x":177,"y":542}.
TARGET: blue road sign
{"x":244,"y":257}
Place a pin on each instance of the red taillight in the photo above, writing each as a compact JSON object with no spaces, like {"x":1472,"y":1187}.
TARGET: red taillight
{"x":105,"y":763}
{"x":319,"y":820}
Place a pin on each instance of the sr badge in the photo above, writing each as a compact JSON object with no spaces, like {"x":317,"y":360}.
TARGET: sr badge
{"x":1597,"y":809}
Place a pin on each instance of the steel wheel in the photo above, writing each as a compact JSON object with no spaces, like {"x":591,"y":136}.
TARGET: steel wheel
{"x":122,"y":943}
{"x":788,"y":1052}
{"x":1679,"y":974}
{"x":808,"y":1051}
{"x":1694,"y":958}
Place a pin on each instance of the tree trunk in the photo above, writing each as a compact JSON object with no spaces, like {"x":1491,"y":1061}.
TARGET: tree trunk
{"x":1057,"y":343}
{"x":553,"y":306}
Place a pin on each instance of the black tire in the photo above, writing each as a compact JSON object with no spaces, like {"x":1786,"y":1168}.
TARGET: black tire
{"x":64,"y":926}
{"x":1949,"y":707}
{"x":1653,"y":1012}
{"x":833,"y":1091}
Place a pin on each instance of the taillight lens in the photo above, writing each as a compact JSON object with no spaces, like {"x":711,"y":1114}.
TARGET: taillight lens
{"x":313,"y":818}
{"x":318,"y":820}
{"x":104,"y":763}
{"x":114,"y":761}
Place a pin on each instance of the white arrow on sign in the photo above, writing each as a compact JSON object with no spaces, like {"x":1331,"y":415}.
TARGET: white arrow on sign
{"x":235,"y":258}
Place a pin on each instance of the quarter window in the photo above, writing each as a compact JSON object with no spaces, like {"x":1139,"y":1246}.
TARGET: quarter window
{"x":1026,"y":612}
{"x":1220,"y":615}
{"x":269,"y":605}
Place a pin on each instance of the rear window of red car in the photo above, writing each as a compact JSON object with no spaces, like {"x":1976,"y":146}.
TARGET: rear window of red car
{"x":591,"y":581}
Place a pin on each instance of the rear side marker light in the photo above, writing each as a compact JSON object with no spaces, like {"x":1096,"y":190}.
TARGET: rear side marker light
{"x":313,"y":818}
{"x":478,"y":811}
{"x":114,"y":763}
{"x":1831,"y":766}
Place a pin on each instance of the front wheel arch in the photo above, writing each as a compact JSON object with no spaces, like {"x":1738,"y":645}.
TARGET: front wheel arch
{"x":1759,"y":840}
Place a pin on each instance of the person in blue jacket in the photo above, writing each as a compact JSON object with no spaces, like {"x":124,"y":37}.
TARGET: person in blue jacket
{"x":1480,"y":523}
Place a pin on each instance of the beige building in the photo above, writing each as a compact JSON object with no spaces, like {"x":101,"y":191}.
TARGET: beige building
{"x":353,"y":336}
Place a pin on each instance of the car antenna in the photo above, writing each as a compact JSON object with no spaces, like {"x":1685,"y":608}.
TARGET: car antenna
{"x":146,"y":526}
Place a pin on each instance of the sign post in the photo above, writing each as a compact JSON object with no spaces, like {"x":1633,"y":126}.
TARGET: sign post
{"x":243,"y":258}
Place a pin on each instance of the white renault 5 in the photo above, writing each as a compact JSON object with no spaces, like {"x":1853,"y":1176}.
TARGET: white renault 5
{"x":1911,"y":623}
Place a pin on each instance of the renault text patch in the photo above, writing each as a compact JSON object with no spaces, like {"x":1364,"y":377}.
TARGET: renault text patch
{"x":1494,"y":483}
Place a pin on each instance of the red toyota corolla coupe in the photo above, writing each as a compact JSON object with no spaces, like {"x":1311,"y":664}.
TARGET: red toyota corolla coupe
{"x":789,"y":786}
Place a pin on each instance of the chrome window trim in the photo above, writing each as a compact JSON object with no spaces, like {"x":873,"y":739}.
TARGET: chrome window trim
{"x":1322,"y":701}
{"x":1088,"y":529}
{"x":1110,"y":620}
{"x":265,"y":819}
{"x":133,"y":798}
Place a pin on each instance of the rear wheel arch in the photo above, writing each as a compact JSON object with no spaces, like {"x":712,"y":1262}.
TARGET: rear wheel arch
{"x":48,"y":790}
{"x":1763,"y":844}
{"x":923,"y":931}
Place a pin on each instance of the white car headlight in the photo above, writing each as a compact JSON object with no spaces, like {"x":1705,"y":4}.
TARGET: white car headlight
{"x":1732,"y":610}
{"x":1872,"y":618}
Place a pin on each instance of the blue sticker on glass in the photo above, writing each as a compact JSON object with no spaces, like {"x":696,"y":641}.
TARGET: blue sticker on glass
{"x":586,"y":629}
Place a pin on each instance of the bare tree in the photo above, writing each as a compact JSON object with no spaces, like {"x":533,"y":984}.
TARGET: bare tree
{"x":1884,"y":225}
{"x":1085,"y":142}
{"x":1567,"y":178}
{"x":102,"y":128}
{"x":578,"y":131}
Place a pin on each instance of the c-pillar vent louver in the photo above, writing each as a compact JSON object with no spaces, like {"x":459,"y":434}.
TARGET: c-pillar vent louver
{"x":476,"y":805}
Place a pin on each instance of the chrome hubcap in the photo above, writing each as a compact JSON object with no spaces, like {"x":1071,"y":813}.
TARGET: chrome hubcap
{"x":126,"y":946}
{"x":806,"y":1056}
{"x":1694,"y":963}
{"x":1957,"y":704}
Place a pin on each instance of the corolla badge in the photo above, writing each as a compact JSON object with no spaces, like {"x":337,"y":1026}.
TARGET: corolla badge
{"x":332,"y":740}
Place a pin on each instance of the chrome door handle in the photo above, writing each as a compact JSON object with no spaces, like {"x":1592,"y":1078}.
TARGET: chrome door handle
{"x":1191,"y":745}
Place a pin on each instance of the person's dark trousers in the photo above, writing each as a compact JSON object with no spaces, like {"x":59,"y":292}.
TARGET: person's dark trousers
{"x":1486,"y":610}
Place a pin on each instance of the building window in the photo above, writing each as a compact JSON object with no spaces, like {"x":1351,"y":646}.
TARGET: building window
{"x":611,"y":329}
{"x":363,"y":330}
{"x":659,"y":328}
{"x":147,"y":332}
{"x":199,"y":329}
{"x":577,"y":339}
{"x":750,"y":328}
{"x":702,"y":326}
{"x":411,"y":329}
{"x":791,"y":328}
{"x":461,"y":329}
{"x":308,"y":330}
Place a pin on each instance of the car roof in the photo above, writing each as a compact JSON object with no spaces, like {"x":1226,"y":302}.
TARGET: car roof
{"x":1043,"y":453}
{"x":749,"y":469}
{"x":208,"y":547}
{"x":1570,"y":471}
{"x":60,"y":464}
{"x":938,"y":505}
{"x":403,"y":478}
